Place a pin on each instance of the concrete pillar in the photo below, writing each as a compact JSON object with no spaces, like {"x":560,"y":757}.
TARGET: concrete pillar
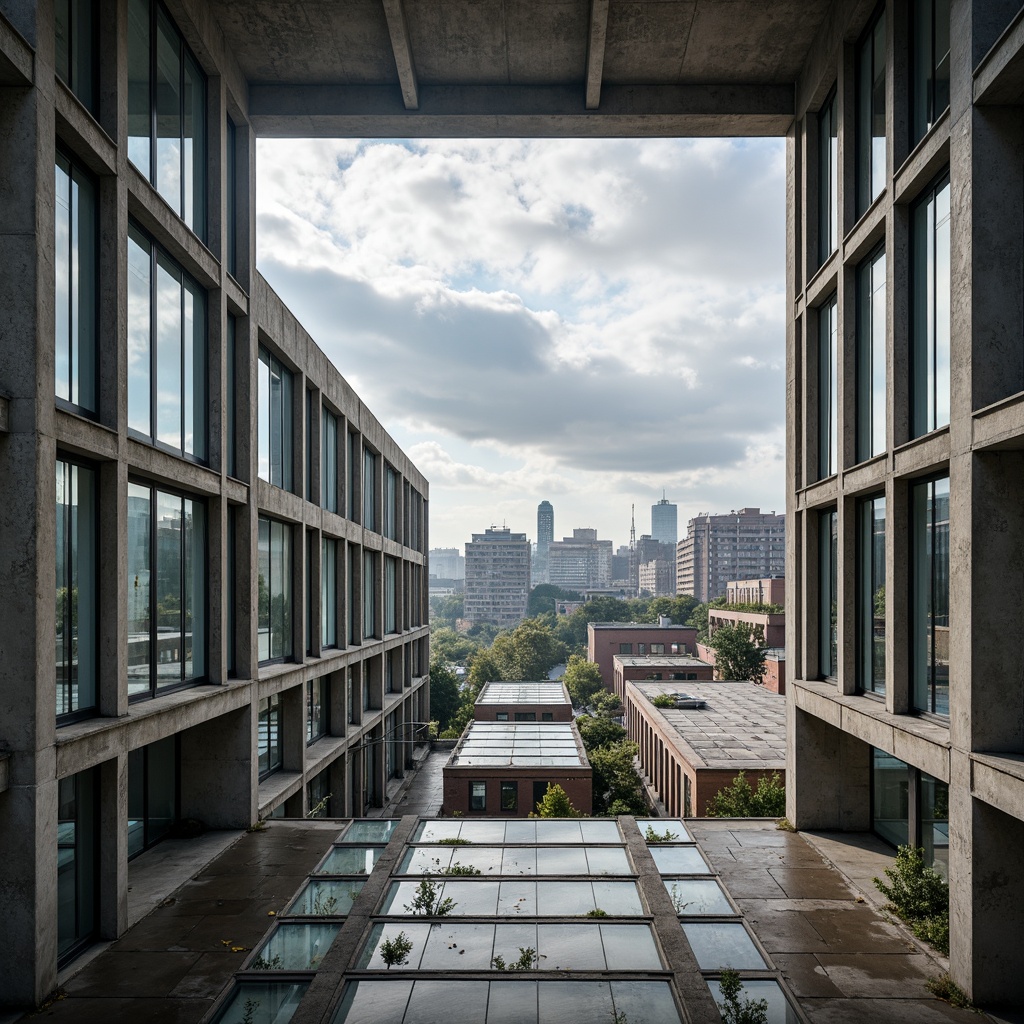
{"x":113,"y":859}
{"x":217,"y":776}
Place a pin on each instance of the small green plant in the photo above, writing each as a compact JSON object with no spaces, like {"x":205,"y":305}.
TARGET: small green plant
{"x":663,"y":700}
{"x":323,"y":905}
{"x":318,"y":809}
{"x":945,"y":988}
{"x":668,"y":836}
{"x":261,"y":964}
{"x":784,"y":825}
{"x":428,"y":902}
{"x":249,"y":1014}
{"x":750,"y":1011}
{"x":619,"y":1017}
{"x":258,"y":825}
{"x":597,"y":912}
{"x":528,"y":961}
{"x":677,"y":900}
{"x":396,"y":951}
{"x":918,"y":895}
{"x":460,"y":869}
{"x":455,"y":841}
{"x":740,"y":801}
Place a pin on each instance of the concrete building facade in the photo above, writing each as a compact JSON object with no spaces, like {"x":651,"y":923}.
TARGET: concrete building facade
{"x":720,"y":548}
{"x":657,"y":578}
{"x":497,"y":577}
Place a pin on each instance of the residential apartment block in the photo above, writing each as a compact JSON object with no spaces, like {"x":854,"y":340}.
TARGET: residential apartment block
{"x":580,"y":562}
{"x":720,"y":548}
{"x":497,"y":577}
{"x":213,"y":554}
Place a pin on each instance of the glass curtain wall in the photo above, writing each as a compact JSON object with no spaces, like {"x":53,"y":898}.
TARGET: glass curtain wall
{"x":329,"y":461}
{"x":890,"y":801}
{"x":369,"y":594}
{"x":930,"y":311}
{"x":274,"y":429}
{"x":369,"y":490}
{"x":274,"y":590}
{"x":74,"y":23}
{"x":77,"y":862}
{"x":268,"y":738}
{"x":828,"y":594}
{"x":828,"y":389}
{"x":167,"y":112}
{"x":871,"y":357}
{"x":352,"y":566}
{"x":351,"y":508}
{"x":166,"y":350}
{"x":390,"y":503}
{"x":75,"y":307}
{"x":929,"y":64}
{"x":933,"y":810}
{"x":232,"y":396}
{"x":166,"y":590}
{"x":828,"y":177}
{"x":328,"y":592}
{"x":76,"y":589}
{"x":390,"y":595}
{"x":870,"y":145}
{"x":316,"y":709}
{"x":152,"y":793}
{"x":929,"y":602}
{"x":871,"y":594}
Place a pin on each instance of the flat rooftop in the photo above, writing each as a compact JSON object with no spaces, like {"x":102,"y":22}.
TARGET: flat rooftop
{"x":659,"y":660}
{"x":540,"y":692}
{"x":638,"y":625}
{"x":519,"y":745}
{"x":742,"y":725}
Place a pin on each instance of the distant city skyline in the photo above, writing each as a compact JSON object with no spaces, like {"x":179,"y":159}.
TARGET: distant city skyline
{"x":589,"y":322}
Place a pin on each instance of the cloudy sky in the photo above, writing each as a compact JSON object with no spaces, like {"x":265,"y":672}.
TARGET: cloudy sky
{"x":586,"y":321}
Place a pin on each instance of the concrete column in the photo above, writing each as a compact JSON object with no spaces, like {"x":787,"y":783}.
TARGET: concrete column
{"x":217,"y":771}
{"x":113,"y":860}
{"x":293,"y":728}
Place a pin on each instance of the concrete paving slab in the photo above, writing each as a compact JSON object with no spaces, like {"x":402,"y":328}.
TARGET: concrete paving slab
{"x":858,"y":928}
{"x":806,"y":977}
{"x":878,"y":975}
{"x":781,"y":927}
{"x":885,"y":1011}
{"x":206,"y":976}
{"x":811,"y":883}
{"x":135,"y":974}
{"x":107,"y":1011}
{"x":750,"y":883}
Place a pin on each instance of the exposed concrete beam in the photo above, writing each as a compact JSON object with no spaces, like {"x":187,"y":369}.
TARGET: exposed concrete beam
{"x":395,"y":13}
{"x":595,"y":51}
{"x":16,"y":56}
{"x":520,"y":111}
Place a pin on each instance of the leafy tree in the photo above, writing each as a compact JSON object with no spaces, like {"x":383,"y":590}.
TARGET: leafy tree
{"x":447,"y":609}
{"x":617,"y":787}
{"x":699,"y":618}
{"x":484,"y":668}
{"x":740,"y":801}
{"x":556,"y":804}
{"x":529,"y":651}
{"x":739,"y":651}
{"x":607,"y":703}
{"x":599,"y":732}
{"x":445,"y":696}
{"x":449,"y":646}
{"x":545,"y":596}
{"x":678,"y":609}
{"x":483,"y":632}
{"x":583,"y":680}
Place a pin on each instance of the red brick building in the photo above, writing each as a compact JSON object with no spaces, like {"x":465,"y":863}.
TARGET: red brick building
{"x":688,"y":753}
{"x":542,"y":701}
{"x":605,"y":640}
{"x":504,"y":768}
{"x":667,"y":668}
{"x":766,"y":590}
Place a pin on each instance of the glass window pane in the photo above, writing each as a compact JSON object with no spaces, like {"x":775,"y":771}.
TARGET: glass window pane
{"x":871,"y":595}
{"x":697,"y":897}
{"x":194,"y":357}
{"x":571,"y":947}
{"x":168,"y":352}
{"x":437,"y":1001}
{"x":139,"y":601}
{"x":561,"y":1001}
{"x":168,"y":101}
{"x":679,"y":860}
{"x":139,"y":110}
{"x":517,"y":899}
{"x":778,"y":1010}
{"x":629,"y":947}
{"x":263,"y":1002}
{"x":722,"y":944}
{"x":454,"y":947}
{"x":566,"y":861}
{"x":828,"y":177}
{"x":645,"y":1000}
{"x":350,"y":860}
{"x":194,"y":148}
{"x":169,"y":633}
{"x":618,"y":899}
{"x":295,"y":947}
{"x":325,"y":897}
{"x":139,"y":331}
{"x":611,"y":861}
{"x":890,"y":779}
{"x":933,"y":802}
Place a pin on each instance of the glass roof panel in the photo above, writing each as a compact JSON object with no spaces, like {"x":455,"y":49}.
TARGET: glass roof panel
{"x":779,"y":1010}
{"x":511,"y":939}
{"x":679,"y":860}
{"x":483,"y":831}
{"x":432,"y":831}
{"x":512,"y":1002}
{"x":559,"y":830}
{"x":295,"y":946}
{"x":618,"y":898}
{"x":629,"y":947}
{"x":565,"y":899}
{"x":371,"y":831}
{"x":561,"y":1001}
{"x":598,"y":830}
{"x":518,"y":899}
{"x":325,"y":897}
{"x":698,"y":897}
{"x":663,"y":825}
{"x":570,"y":947}
{"x":717,"y":945}
{"x":649,"y":1001}
{"x":350,"y":860}
{"x":464,"y":1002}
{"x":608,"y":860}
{"x":458,"y":946}
{"x":262,"y":1002}
{"x":520,"y":831}
{"x":416,"y":932}
{"x":371,"y":1002}
{"x":519,"y":861}
{"x":472,"y":897}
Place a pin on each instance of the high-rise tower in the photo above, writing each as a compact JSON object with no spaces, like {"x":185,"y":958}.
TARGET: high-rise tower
{"x":545,"y":535}
{"x":664,"y":521}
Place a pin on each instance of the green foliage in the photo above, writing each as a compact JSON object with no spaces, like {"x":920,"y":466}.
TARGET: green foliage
{"x":460,"y":869}
{"x":319,"y":809}
{"x":396,"y":951}
{"x":699,"y":619}
{"x":445,"y":696}
{"x":663,"y":700}
{"x":945,"y":988}
{"x":529,"y":651}
{"x":740,"y":801}
{"x":556,"y":804}
{"x":483,"y":668}
{"x":545,"y":596}
{"x":261,"y":964}
{"x":249,"y":1014}
{"x":583,"y":680}
{"x":449,"y":647}
{"x":617,"y":787}
{"x":428,"y":902}
{"x":739,"y":651}
{"x":607,"y":703}
{"x":446,"y":610}
{"x":323,"y":905}
{"x":919,"y":895}
{"x":750,"y":1011}
{"x":599,"y":732}
{"x":597,"y":912}
{"x":454,"y":841}
{"x":668,"y":836}
{"x":528,"y":961}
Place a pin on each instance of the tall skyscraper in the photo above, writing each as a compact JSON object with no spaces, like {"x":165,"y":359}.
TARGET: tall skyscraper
{"x":545,"y":535}
{"x":665,"y":522}
{"x":497,"y":577}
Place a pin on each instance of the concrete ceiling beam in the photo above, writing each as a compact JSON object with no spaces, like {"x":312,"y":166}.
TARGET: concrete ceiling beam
{"x":16,"y":57}
{"x":595,"y":51}
{"x":394,"y":11}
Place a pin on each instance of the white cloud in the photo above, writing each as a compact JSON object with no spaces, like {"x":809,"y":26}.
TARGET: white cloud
{"x":594,"y":319}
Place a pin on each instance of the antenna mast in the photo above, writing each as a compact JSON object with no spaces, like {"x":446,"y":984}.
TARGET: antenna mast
{"x":633,"y":574}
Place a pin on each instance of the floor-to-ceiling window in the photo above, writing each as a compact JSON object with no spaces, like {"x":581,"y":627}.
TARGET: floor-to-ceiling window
{"x":870,"y":371}
{"x":828,"y":594}
{"x":369,"y":490}
{"x":152,"y":793}
{"x":329,"y":461}
{"x":268,"y":736}
{"x":353,"y":563}
{"x":167,"y":393}
{"x":328,"y":592}
{"x":369,"y":594}
{"x":828,"y":389}
{"x":870,"y":132}
{"x":75,"y":286}
{"x":77,"y":862}
{"x":391,"y":484}
{"x":929,"y":64}
{"x":166,"y":590}
{"x":74,"y":23}
{"x":828,"y":177}
{"x":930,"y":310}
{"x":390,"y":595}
{"x":890,"y":797}
{"x":317,"y":698}
{"x":274,"y":590}
{"x":871,"y":594}
{"x":351,"y":472}
{"x":167,"y":112}
{"x":929,"y":595}
{"x":274,"y":427}
{"x":76,"y":589}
